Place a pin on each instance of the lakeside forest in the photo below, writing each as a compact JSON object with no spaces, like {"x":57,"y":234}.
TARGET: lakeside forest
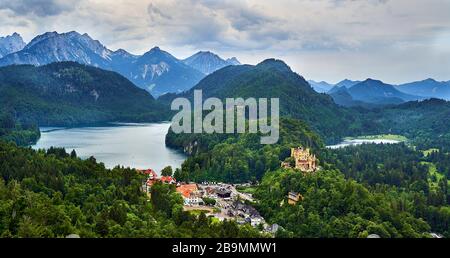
{"x":389,"y":190}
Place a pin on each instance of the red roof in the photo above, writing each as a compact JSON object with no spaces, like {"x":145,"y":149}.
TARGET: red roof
{"x":186,"y":190}
{"x":149,"y":172}
{"x":167,"y":179}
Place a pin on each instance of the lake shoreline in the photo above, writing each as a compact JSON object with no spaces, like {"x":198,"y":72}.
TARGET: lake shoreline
{"x":134,"y":145}
{"x":369,"y":139}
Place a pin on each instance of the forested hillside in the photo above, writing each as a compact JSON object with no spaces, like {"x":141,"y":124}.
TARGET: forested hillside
{"x":54,"y":194}
{"x":425,"y":123}
{"x":21,"y":134}
{"x":239,"y":157}
{"x":333,"y":206}
{"x":62,"y":94}
{"x":417,"y":180}
{"x":274,"y":79}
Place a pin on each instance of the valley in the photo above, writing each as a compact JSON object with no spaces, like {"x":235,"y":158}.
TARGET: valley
{"x":391,"y":179}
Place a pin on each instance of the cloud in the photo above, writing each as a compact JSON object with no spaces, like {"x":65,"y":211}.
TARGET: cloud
{"x":322,"y":39}
{"x":39,"y":7}
{"x":222,"y":24}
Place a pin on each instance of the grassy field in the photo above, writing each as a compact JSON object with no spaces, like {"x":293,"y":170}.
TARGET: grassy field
{"x":429,"y":151}
{"x":197,"y":210}
{"x":394,"y":137}
{"x":246,"y":189}
{"x":433,"y":174}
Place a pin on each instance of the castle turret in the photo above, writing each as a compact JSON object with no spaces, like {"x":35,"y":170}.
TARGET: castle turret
{"x":304,"y":160}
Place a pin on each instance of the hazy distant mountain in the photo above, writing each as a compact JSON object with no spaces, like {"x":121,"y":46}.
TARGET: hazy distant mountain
{"x":11,"y":44}
{"x":427,"y":88}
{"x":233,"y":61}
{"x":342,"y":97}
{"x":321,"y":87}
{"x":208,"y":62}
{"x":369,"y":93}
{"x":377,"y":92}
{"x":156,"y":71}
{"x":342,"y":84}
{"x":346,"y":83}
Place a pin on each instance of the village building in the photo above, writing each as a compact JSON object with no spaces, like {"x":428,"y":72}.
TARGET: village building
{"x":223,"y":193}
{"x":190,"y":193}
{"x":303,"y":160}
{"x":152,"y":178}
{"x":294,"y":198}
{"x":151,"y":174}
{"x":168,"y":180}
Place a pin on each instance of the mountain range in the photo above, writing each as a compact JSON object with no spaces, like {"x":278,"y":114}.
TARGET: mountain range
{"x":159,"y":72}
{"x":372,"y":93}
{"x":156,"y":71}
{"x":428,"y":88}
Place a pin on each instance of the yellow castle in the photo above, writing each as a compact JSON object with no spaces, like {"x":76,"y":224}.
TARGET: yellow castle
{"x":304,"y":160}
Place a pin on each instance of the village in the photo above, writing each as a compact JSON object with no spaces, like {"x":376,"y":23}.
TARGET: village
{"x":224,"y":201}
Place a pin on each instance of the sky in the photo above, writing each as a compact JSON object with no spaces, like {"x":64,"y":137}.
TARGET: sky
{"x":392,"y":40}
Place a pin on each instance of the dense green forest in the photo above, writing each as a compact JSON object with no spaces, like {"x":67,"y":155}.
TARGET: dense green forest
{"x":239,"y":157}
{"x":419,"y":179}
{"x":21,"y":134}
{"x":389,"y":190}
{"x":54,"y":194}
{"x":333,"y":206}
{"x":425,"y":123}
{"x":67,"y":93}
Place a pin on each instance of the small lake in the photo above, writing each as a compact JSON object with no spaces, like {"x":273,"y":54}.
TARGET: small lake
{"x":131,"y":145}
{"x":354,"y":142}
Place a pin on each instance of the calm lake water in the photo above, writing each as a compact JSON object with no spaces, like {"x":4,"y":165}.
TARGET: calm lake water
{"x":352,"y":142}
{"x":130,"y":145}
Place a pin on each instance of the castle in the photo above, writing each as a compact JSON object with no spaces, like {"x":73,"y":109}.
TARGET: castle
{"x":304,"y":160}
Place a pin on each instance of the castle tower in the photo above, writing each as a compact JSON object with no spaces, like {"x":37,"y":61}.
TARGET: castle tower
{"x":304,"y":161}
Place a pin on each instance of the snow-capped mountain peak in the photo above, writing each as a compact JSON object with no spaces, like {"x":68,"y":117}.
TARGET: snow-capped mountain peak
{"x":11,"y":44}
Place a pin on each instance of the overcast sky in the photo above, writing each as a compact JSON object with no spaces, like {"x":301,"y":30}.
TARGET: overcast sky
{"x":392,"y":40}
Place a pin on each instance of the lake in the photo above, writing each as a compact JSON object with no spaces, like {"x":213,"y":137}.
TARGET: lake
{"x":131,"y":145}
{"x":353,"y":142}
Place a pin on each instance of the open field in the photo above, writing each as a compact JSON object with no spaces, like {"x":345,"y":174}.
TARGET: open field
{"x":394,"y":137}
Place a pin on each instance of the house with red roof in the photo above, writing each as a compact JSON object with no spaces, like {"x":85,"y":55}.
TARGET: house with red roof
{"x":168,"y":180}
{"x":190,"y":193}
{"x":152,"y":178}
{"x":149,"y":172}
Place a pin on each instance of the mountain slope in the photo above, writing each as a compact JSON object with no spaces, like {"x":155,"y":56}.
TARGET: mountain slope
{"x":274,"y":79}
{"x":159,"y":72}
{"x":346,"y":83}
{"x":11,"y":44}
{"x":423,"y":122}
{"x":377,"y":92}
{"x":208,"y":62}
{"x":427,"y":88}
{"x":320,"y":87}
{"x":68,"y":93}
